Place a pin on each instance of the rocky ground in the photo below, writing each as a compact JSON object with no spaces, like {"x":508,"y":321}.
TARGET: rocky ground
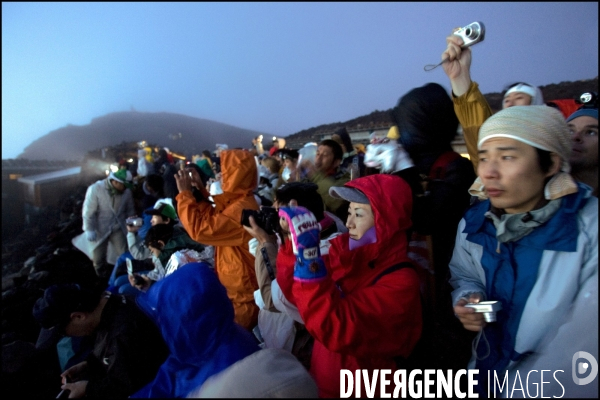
{"x":36,"y":258}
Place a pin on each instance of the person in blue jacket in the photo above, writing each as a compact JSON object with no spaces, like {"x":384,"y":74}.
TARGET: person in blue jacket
{"x":195,"y":317}
{"x":531,"y":246}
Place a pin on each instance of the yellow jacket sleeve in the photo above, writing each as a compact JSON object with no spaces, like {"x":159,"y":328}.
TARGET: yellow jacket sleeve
{"x":472,"y":109}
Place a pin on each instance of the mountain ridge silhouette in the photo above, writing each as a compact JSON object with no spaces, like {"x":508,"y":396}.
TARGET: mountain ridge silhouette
{"x":382,"y":118}
{"x":180,"y":133}
{"x":188,"y":135}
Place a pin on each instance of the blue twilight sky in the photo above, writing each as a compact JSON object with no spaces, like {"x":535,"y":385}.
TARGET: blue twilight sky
{"x":271,"y":67}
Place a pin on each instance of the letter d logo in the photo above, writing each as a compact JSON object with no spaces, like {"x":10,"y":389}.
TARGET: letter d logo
{"x":583,"y":367}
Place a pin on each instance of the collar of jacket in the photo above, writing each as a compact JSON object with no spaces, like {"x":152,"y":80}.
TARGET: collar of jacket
{"x":111,"y":189}
{"x":558,"y":234}
{"x":512,"y":227}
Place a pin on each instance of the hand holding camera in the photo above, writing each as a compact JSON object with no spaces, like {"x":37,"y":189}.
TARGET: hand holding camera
{"x":456,"y":59}
{"x":139,"y":281}
{"x":458,"y":49}
{"x":472,"y":318}
{"x":134,"y":221}
{"x":183,"y":180}
{"x":259,"y":234}
{"x":195,"y":176}
{"x":471,"y":34}
{"x":487,"y":308}
{"x":266,"y":218}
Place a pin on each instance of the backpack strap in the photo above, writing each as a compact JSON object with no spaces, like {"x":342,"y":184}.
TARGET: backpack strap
{"x":393,"y":268}
{"x":438,"y":169}
{"x":407,"y":364}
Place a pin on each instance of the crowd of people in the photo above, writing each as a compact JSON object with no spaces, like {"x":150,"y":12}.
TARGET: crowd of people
{"x":265,"y":272}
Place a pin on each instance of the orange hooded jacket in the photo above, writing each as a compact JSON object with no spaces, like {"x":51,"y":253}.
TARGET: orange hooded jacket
{"x":220,"y":226}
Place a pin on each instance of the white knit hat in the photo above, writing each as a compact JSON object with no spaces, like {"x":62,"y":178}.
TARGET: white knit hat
{"x":542,"y":127}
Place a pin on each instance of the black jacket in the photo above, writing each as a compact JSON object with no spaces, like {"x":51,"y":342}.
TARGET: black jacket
{"x":127,"y":352}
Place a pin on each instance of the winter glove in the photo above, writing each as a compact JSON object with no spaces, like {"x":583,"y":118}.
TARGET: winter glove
{"x":91,"y":235}
{"x":304,"y":229}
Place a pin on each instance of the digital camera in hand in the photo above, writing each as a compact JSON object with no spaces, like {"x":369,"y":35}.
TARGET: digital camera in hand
{"x":471,"y":34}
{"x":134,"y":221}
{"x":488,"y":308}
{"x":267,"y":218}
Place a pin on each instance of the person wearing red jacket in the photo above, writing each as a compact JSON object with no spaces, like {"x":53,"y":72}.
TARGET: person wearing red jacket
{"x":361,"y":302}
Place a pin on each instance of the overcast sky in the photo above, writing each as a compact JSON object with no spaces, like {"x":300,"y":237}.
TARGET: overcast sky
{"x":277,"y":68}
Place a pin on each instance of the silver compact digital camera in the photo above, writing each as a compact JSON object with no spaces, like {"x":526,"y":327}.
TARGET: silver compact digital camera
{"x":471,"y":34}
{"x":488,"y":308}
{"x":134,"y":221}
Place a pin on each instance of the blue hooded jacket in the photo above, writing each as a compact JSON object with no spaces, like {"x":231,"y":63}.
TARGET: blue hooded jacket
{"x":195,"y":316}
{"x":511,"y":271}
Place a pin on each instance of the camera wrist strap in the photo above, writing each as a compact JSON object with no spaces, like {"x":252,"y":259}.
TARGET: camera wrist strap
{"x":267,"y":261}
{"x":430,"y":67}
{"x":476,"y":343}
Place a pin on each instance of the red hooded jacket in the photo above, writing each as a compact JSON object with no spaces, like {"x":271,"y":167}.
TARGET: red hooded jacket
{"x":361,"y":319}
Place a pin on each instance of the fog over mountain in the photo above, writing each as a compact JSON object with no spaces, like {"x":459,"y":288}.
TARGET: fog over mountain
{"x":189,"y":135}
{"x":180,"y":133}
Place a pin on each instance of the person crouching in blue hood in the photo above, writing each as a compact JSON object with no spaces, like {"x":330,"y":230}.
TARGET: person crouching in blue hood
{"x":195,"y":317}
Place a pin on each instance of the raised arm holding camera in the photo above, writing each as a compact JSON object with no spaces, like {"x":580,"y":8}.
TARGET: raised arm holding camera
{"x":470,"y":106}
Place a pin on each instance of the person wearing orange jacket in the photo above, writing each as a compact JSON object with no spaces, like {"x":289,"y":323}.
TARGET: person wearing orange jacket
{"x":219,"y":225}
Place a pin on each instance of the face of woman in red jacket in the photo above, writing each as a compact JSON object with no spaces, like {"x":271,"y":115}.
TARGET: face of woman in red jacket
{"x":360,"y":220}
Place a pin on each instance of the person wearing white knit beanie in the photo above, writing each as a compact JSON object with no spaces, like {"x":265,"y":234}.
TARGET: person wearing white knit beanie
{"x":529,"y":249}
